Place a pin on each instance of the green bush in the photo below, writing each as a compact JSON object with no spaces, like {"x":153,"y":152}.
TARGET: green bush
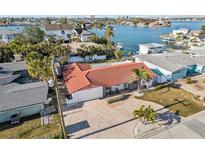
{"x":188,"y":80}
{"x":118,"y":98}
{"x":158,"y":87}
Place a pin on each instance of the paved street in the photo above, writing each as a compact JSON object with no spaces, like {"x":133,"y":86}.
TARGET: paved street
{"x":191,"y":128}
{"x":97,"y":119}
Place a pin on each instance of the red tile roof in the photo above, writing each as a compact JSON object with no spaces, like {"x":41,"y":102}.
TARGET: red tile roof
{"x":81,"y":76}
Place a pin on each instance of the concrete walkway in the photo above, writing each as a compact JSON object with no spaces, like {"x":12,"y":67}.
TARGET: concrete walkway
{"x":97,"y":119}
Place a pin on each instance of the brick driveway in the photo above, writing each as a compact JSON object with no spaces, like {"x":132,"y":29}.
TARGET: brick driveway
{"x":97,"y":119}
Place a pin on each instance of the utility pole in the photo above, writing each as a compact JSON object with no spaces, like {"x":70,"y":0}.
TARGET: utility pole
{"x":58,"y":101}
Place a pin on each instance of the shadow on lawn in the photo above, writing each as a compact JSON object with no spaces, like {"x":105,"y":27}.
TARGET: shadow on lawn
{"x":168,"y":118}
{"x":171,"y":117}
{"x":177,"y":101}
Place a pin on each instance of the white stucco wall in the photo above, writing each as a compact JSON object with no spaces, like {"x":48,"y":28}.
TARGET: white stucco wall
{"x":59,"y":33}
{"x":86,"y":95}
{"x":24,"y":111}
{"x":200,"y":69}
{"x":145,"y":49}
{"x":74,"y":59}
{"x":85,"y":38}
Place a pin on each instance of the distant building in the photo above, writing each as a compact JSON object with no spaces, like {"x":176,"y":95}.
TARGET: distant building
{"x":8,"y":35}
{"x":82,"y":33}
{"x":74,"y":57}
{"x":19,"y":95}
{"x":151,"y":48}
{"x":63,"y":31}
{"x":183,"y":31}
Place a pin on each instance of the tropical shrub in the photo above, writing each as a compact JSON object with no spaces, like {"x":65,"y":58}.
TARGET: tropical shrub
{"x":145,"y":114}
{"x":188,"y":80}
{"x":118,"y":98}
{"x":158,"y":87}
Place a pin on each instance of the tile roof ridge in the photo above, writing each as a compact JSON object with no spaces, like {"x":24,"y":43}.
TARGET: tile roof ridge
{"x":115,"y":66}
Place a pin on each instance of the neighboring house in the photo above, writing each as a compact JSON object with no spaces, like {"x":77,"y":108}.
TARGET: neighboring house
{"x":151,"y":48}
{"x":19,"y":95}
{"x":63,"y":31}
{"x":82,"y":33}
{"x":183,"y":31}
{"x":74,"y":57}
{"x":14,"y":68}
{"x":195,"y":32}
{"x":172,"y":66}
{"x":85,"y":83}
{"x":8,"y":35}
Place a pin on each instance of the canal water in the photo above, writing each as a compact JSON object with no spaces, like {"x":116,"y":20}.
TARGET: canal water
{"x":131,"y":36}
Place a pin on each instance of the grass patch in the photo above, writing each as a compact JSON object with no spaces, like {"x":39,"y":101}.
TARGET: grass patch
{"x":175,"y":99}
{"x":31,"y":128}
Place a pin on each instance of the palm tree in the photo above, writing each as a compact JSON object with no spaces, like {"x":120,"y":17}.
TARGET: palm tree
{"x":6,"y":54}
{"x":38,"y":66}
{"x":100,"y":25}
{"x":109,"y":33}
{"x":139,"y":113}
{"x":119,"y":55}
{"x":145,"y":114}
{"x":138,"y":76}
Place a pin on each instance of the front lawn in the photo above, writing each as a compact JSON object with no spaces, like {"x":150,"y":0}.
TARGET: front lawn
{"x":31,"y":128}
{"x":175,"y":99}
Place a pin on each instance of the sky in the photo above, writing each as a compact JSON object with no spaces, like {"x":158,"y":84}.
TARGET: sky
{"x":102,"y":7}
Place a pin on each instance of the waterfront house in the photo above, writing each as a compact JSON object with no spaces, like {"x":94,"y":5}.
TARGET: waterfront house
{"x":151,"y":48}
{"x":8,"y":35}
{"x":85,"y":83}
{"x":63,"y":31}
{"x":172,"y":66}
{"x":82,"y":33}
{"x":20,"y":96}
{"x":183,"y":31}
{"x":74,"y":57}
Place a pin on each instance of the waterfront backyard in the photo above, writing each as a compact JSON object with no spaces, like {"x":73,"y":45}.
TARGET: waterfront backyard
{"x":175,"y":99}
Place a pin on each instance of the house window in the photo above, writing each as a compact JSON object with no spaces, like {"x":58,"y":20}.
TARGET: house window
{"x":69,"y":97}
{"x":125,"y":85}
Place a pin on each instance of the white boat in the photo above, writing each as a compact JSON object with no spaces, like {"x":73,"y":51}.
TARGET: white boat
{"x":119,"y":46}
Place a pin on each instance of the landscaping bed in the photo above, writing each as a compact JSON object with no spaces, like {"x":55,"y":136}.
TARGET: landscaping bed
{"x":175,"y":99}
{"x":117,"y":98}
{"x":31,"y":128}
